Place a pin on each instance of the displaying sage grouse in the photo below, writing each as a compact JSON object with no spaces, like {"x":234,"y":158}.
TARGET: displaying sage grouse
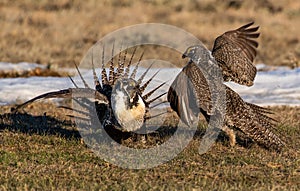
{"x":120,"y":100}
{"x":190,"y":93}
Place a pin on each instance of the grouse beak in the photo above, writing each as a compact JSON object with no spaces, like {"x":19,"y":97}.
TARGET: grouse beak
{"x":184,"y":55}
{"x":131,"y":94}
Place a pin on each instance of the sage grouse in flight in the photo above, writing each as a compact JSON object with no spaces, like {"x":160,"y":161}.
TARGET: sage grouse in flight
{"x":190,"y":93}
{"x":119,"y":99}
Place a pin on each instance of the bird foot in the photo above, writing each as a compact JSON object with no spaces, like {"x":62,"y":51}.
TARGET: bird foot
{"x":231,"y":135}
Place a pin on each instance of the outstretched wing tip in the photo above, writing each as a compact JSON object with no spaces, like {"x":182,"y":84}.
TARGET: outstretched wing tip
{"x":235,"y":51}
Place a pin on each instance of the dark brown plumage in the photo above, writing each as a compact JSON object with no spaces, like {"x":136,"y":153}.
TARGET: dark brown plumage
{"x":195,"y":90}
{"x":235,"y":51}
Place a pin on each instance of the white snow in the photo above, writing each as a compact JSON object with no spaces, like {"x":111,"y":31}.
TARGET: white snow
{"x":22,"y":89}
{"x":280,"y":86}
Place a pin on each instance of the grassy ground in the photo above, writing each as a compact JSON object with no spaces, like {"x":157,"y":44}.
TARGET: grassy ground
{"x":46,"y":152}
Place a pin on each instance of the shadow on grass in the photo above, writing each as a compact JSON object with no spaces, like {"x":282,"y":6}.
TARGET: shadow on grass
{"x":41,"y":125}
{"x":47,"y":125}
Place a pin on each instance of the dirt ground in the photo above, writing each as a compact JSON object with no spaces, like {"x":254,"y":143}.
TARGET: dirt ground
{"x":58,"y":33}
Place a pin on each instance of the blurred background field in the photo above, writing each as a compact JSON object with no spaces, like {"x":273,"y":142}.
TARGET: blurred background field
{"x":59,"y":32}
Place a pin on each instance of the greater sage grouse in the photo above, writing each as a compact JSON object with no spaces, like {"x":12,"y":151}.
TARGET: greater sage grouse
{"x":190,"y":93}
{"x":119,"y":99}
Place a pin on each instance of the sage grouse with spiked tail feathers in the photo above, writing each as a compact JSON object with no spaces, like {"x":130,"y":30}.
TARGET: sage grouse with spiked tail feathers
{"x":190,"y":93}
{"x":120,"y":100}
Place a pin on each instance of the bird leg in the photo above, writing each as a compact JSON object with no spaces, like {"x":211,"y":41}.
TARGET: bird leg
{"x":231,"y":135}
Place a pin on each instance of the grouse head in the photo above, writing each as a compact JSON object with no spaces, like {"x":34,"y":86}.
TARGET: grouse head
{"x":128,"y":105}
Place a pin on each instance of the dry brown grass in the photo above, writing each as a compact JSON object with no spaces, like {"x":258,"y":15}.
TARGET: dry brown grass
{"x":60,"y":32}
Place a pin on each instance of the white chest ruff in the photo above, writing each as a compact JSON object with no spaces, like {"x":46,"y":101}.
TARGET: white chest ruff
{"x":130,"y":119}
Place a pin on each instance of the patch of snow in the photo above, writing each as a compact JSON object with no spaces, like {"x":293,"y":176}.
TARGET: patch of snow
{"x":22,"y":89}
{"x":280,"y":86}
{"x":277,"y":87}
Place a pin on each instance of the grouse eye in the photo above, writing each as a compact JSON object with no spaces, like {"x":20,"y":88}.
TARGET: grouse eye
{"x":190,"y":51}
{"x":193,"y":50}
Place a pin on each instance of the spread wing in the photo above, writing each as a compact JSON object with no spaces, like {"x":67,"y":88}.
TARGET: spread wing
{"x":235,"y":51}
{"x":68,"y":93}
{"x":189,"y":93}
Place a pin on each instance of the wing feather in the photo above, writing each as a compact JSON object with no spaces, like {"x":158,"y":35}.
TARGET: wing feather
{"x":68,"y":93}
{"x":189,"y":93}
{"x":235,"y":51}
